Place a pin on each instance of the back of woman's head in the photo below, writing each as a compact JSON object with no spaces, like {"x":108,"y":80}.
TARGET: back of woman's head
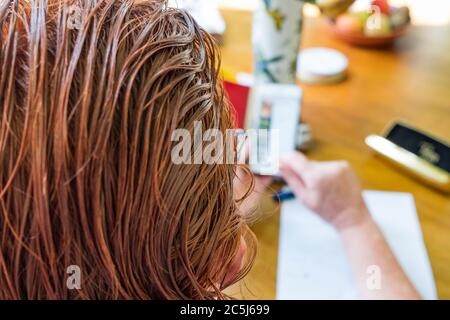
{"x":90,"y":92}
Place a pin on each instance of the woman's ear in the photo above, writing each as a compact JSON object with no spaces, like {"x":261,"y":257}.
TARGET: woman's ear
{"x":236,"y":264}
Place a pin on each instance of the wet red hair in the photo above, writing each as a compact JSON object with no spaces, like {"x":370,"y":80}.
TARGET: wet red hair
{"x":86,"y":177}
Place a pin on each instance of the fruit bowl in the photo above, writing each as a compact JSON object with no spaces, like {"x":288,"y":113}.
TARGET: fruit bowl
{"x":360,"y":39}
{"x":378,"y":24}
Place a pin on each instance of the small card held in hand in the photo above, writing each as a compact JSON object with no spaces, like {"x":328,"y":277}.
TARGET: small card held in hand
{"x":275,"y":113}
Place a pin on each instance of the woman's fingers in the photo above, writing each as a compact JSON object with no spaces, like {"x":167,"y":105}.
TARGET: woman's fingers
{"x":294,"y":181}
{"x":298,"y":164}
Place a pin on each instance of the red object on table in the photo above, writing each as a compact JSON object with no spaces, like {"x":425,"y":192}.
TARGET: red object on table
{"x":383,"y":5}
{"x":238,"y":95}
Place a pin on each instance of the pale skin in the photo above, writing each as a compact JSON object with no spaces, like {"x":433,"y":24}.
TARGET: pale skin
{"x":331,"y":189}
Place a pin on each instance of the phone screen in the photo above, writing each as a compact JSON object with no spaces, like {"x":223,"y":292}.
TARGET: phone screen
{"x":422,"y":145}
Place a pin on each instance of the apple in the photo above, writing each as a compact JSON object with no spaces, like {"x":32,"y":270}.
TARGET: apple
{"x":377,"y":25}
{"x":382,"y":4}
{"x":350,"y":23}
{"x":363,"y":15}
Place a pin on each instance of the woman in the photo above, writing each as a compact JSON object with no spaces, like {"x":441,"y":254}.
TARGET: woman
{"x":90,"y":92}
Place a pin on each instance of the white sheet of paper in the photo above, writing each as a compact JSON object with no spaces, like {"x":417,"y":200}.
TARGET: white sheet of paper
{"x":312,"y":263}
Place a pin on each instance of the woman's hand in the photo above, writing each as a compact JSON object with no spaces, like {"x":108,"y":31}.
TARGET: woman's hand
{"x":331,"y":189}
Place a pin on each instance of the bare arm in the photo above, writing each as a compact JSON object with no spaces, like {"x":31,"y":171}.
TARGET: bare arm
{"x":377,"y":272}
{"x":331,"y":189}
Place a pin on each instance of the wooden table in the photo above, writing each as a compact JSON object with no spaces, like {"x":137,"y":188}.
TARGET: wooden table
{"x":410,"y":81}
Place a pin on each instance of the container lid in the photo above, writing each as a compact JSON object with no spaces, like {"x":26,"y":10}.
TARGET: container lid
{"x":321,"y":65}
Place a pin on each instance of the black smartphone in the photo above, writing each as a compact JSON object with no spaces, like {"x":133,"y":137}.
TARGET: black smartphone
{"x":423,"y":145}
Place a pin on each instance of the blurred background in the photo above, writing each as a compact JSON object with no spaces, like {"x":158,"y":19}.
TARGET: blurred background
{"x":423,"y":12}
